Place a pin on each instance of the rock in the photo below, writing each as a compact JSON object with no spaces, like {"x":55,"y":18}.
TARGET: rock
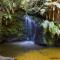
{"x":6,"y":58}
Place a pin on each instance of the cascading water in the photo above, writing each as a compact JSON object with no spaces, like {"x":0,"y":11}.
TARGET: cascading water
{"x":34,"y":32}
{"x":30,"y":27}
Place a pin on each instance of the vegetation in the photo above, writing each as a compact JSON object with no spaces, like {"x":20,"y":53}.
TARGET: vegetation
{"x":10,"y":16}
{"x":12,"y":24}
{"x":52,"y":33}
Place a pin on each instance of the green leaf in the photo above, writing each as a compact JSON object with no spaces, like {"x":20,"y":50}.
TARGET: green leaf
{"x":45,"y":24}
{"x":53,"y":28}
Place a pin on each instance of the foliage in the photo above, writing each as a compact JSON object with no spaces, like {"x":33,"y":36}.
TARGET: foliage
{"x":51,"y":32}
{"x":10,"y":25}
{"x":10,"y":10}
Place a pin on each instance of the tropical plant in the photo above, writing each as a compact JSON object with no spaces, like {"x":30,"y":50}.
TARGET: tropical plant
{"x":10,"y":24}
{"x":51,"y":32}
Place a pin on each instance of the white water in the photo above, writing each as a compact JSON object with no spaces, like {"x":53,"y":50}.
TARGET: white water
{"x":24,"y":43}
{"x":30,"y":27}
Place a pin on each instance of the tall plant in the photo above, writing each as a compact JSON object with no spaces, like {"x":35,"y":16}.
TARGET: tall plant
{"x":10,"y":25}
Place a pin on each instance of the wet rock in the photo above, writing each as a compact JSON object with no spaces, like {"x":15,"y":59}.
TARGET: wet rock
{"x":6,"y":58}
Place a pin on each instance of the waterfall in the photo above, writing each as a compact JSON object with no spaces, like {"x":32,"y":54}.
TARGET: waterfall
{"x":30,"y":27}
{"x":33,"y":31}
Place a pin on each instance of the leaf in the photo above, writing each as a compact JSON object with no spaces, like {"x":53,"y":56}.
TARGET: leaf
{"x":53,"y":28}
{"x":45,"y":24}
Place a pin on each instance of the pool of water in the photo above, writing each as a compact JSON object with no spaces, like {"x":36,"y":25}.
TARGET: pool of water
{"x":22,"y":51}
{"x":12,"y":49}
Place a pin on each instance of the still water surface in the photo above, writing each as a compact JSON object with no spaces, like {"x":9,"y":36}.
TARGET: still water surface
{"x":21,"y":51}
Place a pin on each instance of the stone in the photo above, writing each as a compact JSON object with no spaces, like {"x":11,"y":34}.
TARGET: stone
{"x":6,"y":58}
